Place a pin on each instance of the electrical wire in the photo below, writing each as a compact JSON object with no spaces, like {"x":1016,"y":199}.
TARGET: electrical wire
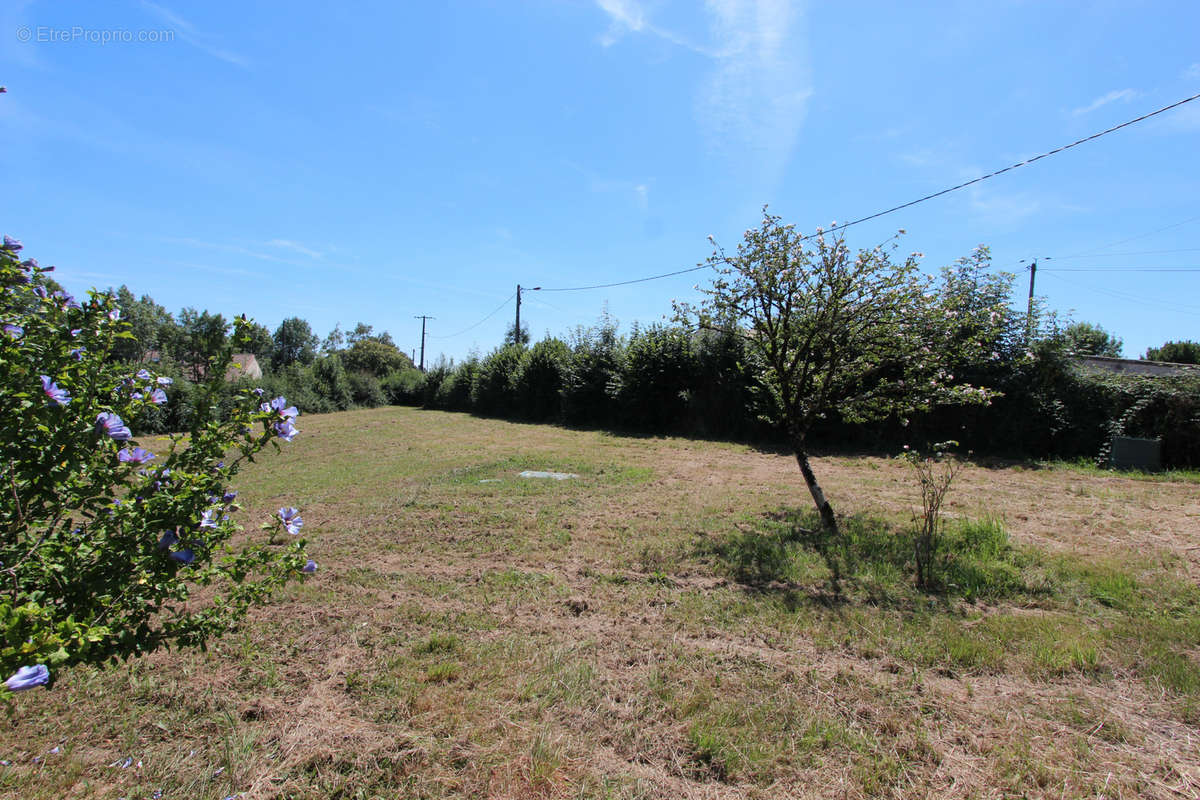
{"x":1098,"y":254}
{"x":1119,"y":269}
{"x":1133,"y":238}
{"x":911,"y":203}
{"x":626,"y":283}
{"x":1027,"y":161}
{"x":1134,"y":253}
{"x":1192,"y":311}
{"x":477,"y":324}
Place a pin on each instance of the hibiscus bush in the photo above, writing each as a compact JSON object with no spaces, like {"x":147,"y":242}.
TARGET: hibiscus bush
{"x":111,"y":547}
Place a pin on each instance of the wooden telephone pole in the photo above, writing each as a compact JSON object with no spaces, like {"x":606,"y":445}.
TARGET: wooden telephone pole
{"x":423,"y":317}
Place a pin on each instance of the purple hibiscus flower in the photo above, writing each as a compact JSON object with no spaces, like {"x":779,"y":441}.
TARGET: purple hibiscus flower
{"x":209,"y":518}
{"x":115,"y":314}
{"x":110,"y":423}
{"x":168,"y":539}
{"x":291,"y":519}
{"x":55,"y":394}
{"x":161,"y":381}
{"x":137,"y":455}
{"x":142,"y":375}
{"x":279,"y":406}
{"x":11,"y":244}
{"x":158,"y":397}
{"x":310,"y":567}
{"x":229,"y":496}
{"x":14,"y":331}
{"x":286,"y":430}
{"x":28,"y":677}
{"x":183,"y":555}
{"x":77,"y":353}
{"x":68,"y":300}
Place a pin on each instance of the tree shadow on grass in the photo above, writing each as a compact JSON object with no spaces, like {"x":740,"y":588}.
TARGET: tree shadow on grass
{"x":788,"y":553}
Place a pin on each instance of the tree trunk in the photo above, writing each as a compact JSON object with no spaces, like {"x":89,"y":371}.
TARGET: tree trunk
{"x":828,"y":520}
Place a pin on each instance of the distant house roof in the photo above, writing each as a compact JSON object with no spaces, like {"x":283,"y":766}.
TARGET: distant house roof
{"x":1131,"y":366}
{"x":244,"y":365}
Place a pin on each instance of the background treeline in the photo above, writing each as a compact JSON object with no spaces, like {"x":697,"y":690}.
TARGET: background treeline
{"x":345,"y":370}
{"x":668,"y":379}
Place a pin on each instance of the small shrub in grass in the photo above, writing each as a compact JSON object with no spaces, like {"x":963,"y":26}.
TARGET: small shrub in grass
{"x":103,"y":542}
{"x":975,"y":559}
{"x":935,"y":472}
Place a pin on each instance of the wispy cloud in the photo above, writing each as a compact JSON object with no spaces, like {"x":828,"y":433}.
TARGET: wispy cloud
{"x":893,"y":132}
{"x":922,"y":157}
{"x":68,"y":274}
{"x":640,"y":191}
{"x":1122,"y":95}
{"x":757,"y":92}
{"x":232,"y":249}
{"x":1002,"y":208}
{"x":261,"y":255}
{"x":188,"y":32}
{"x":625,"y":15}
{"x":295,"y":247}
{"x":191,"y":265}
{"x":628,"y":16}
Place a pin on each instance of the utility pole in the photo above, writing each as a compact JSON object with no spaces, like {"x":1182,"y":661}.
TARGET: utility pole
{"x":517,"y":329}
{"x":422,"y":317}
{"x":1029,"y":310}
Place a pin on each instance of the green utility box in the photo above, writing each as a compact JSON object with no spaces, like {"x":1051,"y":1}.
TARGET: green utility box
{"x":1130,"y":452}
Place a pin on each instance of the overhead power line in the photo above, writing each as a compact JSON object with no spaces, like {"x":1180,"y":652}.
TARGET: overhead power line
{"x":1177,"y":308}
{"x":1121,"y":269}
{"x":1097,"y":253}
{"x":477,"y":324}
{"x":1137,"y":236}
{"x":1135,"y":253}
{"x":912,"y":203}
{"x":626,"y":283}
{"x":1011,"y":167}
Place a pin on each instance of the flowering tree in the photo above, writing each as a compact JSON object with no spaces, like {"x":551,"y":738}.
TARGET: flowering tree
{"x":103,"y":542}
{"x":852,"y":335}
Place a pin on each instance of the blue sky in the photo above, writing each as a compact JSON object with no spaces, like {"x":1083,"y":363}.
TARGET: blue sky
{"x":424,"y":158}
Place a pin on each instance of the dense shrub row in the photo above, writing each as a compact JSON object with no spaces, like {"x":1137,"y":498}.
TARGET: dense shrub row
{"x":664,"y":379}
{"x":660,"y":379}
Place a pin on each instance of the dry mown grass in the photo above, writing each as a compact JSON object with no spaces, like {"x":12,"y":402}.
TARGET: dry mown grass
{"x":595,"y":638}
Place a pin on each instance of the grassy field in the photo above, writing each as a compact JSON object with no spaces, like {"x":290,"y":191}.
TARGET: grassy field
{"x":660,"y":627}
